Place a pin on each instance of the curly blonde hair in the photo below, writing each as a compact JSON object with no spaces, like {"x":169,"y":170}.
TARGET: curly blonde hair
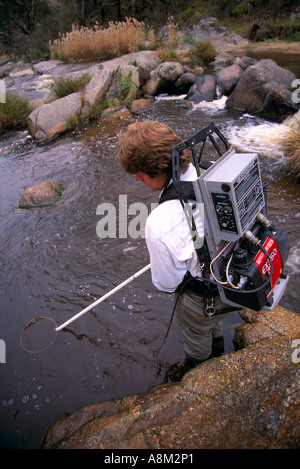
{"x":146,"y":147}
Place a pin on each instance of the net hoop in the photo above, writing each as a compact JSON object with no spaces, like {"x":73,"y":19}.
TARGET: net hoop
{"x":31,"y":323}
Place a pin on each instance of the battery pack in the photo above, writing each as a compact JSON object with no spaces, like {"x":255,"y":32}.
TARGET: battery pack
{"x":257,"y":269}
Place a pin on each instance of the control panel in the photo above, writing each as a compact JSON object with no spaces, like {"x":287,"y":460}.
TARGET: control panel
{"x":232,"y":192}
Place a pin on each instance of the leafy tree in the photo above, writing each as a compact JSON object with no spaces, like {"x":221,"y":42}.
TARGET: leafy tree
{"x":20,"y":17}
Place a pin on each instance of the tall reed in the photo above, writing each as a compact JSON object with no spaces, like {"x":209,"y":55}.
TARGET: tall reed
{"x":291,"y":147}
{"x":99,"y":43}
{"x":172,"y":34}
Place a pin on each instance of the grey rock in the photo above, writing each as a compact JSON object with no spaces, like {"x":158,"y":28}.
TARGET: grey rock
{"x":263,"y":90}
{"x":51,"y":119}
{"x":40,"y":195}
{"x":204,"y":89}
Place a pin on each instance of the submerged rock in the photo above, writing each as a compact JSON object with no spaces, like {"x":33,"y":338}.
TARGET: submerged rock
{"x":245,"y":399}
{"x":139,"y":106}
{"x":40,"y":195}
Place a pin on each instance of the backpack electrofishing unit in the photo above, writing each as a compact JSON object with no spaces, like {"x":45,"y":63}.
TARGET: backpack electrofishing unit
{"x":243,"y":254}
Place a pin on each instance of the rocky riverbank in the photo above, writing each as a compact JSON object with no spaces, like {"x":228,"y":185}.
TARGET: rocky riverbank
{"x":244,"y":400}
{"x":258,"y":87}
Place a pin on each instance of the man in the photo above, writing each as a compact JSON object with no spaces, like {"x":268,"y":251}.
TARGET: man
{"x":145,"y":151}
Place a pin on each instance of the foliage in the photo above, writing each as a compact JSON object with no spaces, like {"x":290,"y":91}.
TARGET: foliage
{"x":99,"y":43}
{"x":202,"y":53}
{"x":97,"y":109}
{"x":63,"y":86}
{"x":14,"y":112}
{"x":293,"y":37}
{"x":167,"y":55}
{"x":127,"y":88}
{"x":27,"y":26}
{"x":72,"y":122}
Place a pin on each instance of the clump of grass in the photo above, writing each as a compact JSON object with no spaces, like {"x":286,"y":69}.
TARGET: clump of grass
{"x":99,"y":43}
{"x":167,"y":55}
{"x":72,"y":122}
{"x":291,"y":147}
{"x":63,"y":86}
{"x":202,"y":53}
{"x":14,"y":112}
{"x":128,"y":88}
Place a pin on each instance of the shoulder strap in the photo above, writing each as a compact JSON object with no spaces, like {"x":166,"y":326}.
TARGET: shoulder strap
{"x":170,"y":193}
{"x":187,"y":192}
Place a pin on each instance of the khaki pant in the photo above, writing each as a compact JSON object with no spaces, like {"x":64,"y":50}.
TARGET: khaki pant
{"x":196,"y":328}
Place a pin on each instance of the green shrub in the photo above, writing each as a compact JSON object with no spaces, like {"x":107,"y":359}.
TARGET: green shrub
{"x":127,"y":87}
{"x":202,"y":53}
{"x":293,"y":37}
{"x":14,"y":112}
{"x":63,"y":86}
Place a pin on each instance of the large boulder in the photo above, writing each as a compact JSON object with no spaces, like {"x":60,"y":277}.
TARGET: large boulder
{"x":185,"y":81}
{"x":6,"y":68}
{"x":204,"y":89}
{"x":209,"y":29}
{"x":96,"y":89}
{"x":145,"y":63}
{"x":51,"y":119}
{"x":243,"y":400}
{"x":114,"y":79}
{"x":163,"y":78}
{"x":124,"y":85}
{"x":263,"y":91}
{"x":228,"y":78}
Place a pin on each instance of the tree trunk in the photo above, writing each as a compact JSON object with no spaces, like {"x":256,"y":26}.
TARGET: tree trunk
{"x":79,"y":7}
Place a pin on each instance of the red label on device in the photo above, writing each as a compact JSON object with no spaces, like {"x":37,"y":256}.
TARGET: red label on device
{"x":263,"y":263}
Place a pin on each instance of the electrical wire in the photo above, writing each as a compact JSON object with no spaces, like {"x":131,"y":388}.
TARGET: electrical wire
{"x":263,"y":285}
{"x":211,"y":263}
{"x":228,"y":282}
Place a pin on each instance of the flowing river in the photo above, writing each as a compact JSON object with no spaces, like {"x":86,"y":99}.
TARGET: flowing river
{"x":52,"y":263}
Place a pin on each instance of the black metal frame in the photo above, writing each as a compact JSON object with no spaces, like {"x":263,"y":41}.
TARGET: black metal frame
{"x":191,"y":142}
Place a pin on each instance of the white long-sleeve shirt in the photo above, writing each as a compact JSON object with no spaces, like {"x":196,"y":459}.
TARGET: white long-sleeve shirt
{"x":169,"y":241}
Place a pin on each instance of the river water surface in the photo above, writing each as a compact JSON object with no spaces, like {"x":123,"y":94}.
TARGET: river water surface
{"x":52,"y":263}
